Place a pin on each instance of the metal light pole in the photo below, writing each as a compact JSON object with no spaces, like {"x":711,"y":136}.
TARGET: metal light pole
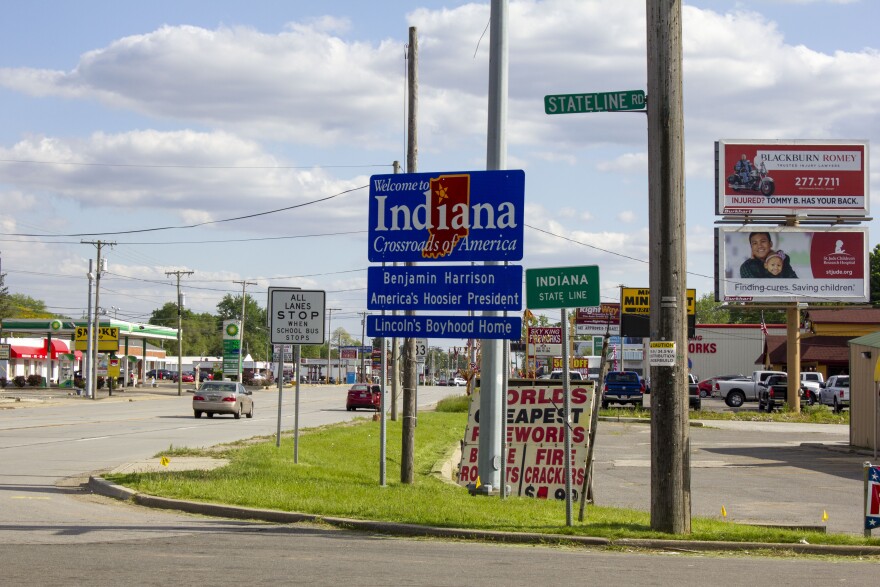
{"x":244,"y":285}
{"x":329,"y":340}
{"x":491,"y":369}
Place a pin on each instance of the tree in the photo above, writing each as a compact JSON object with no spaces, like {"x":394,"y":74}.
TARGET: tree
{"x":201,"y":332}
{"x":708,"y":311}
{"x":875,"y":275}
{"x":5,"y":308}
{"x":22,"y":306}
{"x":255,"y":339}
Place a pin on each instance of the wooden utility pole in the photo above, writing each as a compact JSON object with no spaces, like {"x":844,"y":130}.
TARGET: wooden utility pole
{"x":670,"y":445}
{"x":179,"y":330}
{"x":407,"y":461}
{"x":101,"y":266}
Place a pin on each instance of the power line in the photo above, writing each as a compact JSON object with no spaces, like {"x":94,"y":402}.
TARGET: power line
{"x":198,"y":224}
{"x":169,"y":166}
{"x":211,"y":241}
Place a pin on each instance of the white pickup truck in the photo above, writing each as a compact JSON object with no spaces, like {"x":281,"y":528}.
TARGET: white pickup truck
{"x":735,"y":392}
{"x":811,"y":381}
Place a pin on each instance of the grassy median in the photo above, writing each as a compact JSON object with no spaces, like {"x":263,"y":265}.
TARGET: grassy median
{"x":338,"y":475}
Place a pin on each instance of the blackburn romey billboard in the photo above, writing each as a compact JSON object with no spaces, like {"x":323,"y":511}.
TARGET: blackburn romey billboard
{"x":796,"y":178}
{"x":791,"y":264}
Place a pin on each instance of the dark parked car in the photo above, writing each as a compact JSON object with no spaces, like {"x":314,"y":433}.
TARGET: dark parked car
{"x":694,"y":393}
{"x":160,"y":374}
{"x":188,"y":377}
{"x":363,"y":395}
{"x":773,"y":393}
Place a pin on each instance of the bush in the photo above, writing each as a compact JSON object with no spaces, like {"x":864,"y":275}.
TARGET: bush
{"x":79,"y":382}
{"x":35,"y":380}
{"x":3,"y":382}
{"x":19,"y":381}
{"x":454,"y":403}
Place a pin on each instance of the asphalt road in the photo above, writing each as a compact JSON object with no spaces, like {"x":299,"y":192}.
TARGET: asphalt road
{"x":303,"y":555}
{"x":45,"y":515}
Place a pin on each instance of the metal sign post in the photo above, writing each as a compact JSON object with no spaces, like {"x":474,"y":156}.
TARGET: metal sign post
{"x":280,"y":385}
{"x":296,"y":316}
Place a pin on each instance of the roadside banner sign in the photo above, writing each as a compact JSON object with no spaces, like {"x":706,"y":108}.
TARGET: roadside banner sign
{"x":595,"y":102}
{"x":562,"y":287}
{"x":296,"y":316}
{"x":536,"y":431}
{"x":872,"y":499}
{"x":445,"y":287}
{"x":447,"y":216}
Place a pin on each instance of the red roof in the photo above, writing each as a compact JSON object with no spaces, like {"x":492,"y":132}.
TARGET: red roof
{"x":828,"y":350}
{"x":845,"y":316}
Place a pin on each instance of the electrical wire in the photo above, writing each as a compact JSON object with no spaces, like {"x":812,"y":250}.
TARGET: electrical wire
{"x":198,"y":224}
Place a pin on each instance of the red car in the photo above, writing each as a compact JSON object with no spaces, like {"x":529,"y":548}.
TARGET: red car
{"x":363,"y":395}
{"x":188,"y":377}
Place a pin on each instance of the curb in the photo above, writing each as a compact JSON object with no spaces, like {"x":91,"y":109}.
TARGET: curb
{"x":103,"y":487}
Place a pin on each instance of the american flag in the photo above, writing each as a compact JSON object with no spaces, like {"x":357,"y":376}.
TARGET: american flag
{"x":763,"y":325}
{"x":872,"y":515}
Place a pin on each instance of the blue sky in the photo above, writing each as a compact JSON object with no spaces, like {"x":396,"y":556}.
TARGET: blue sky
{"x":119,"y":117}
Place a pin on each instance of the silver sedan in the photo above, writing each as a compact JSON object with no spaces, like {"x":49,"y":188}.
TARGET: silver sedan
{"x":223,"y":397}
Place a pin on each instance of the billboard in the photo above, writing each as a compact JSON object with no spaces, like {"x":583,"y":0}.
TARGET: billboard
{"x":601,"y":319}
{"x":445,"y":217}
{"x":635,"y":311}
{"x":544,"y":341}
{"x":798,"y":177}
{"x":791,"y":264}
{"x":535,"y":441}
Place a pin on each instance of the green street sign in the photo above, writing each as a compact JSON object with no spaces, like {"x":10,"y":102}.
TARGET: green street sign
{"x":562,"y":287}
{"x":600,"y":102}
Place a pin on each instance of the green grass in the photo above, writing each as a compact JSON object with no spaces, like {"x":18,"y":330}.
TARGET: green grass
{"x":338,"y":475}
{"x":808,"y":415}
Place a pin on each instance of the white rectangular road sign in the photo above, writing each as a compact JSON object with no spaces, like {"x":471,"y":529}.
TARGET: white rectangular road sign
{"x":662,"y":353}
{"x":296,"y":316}
{"x":421,"y":350}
